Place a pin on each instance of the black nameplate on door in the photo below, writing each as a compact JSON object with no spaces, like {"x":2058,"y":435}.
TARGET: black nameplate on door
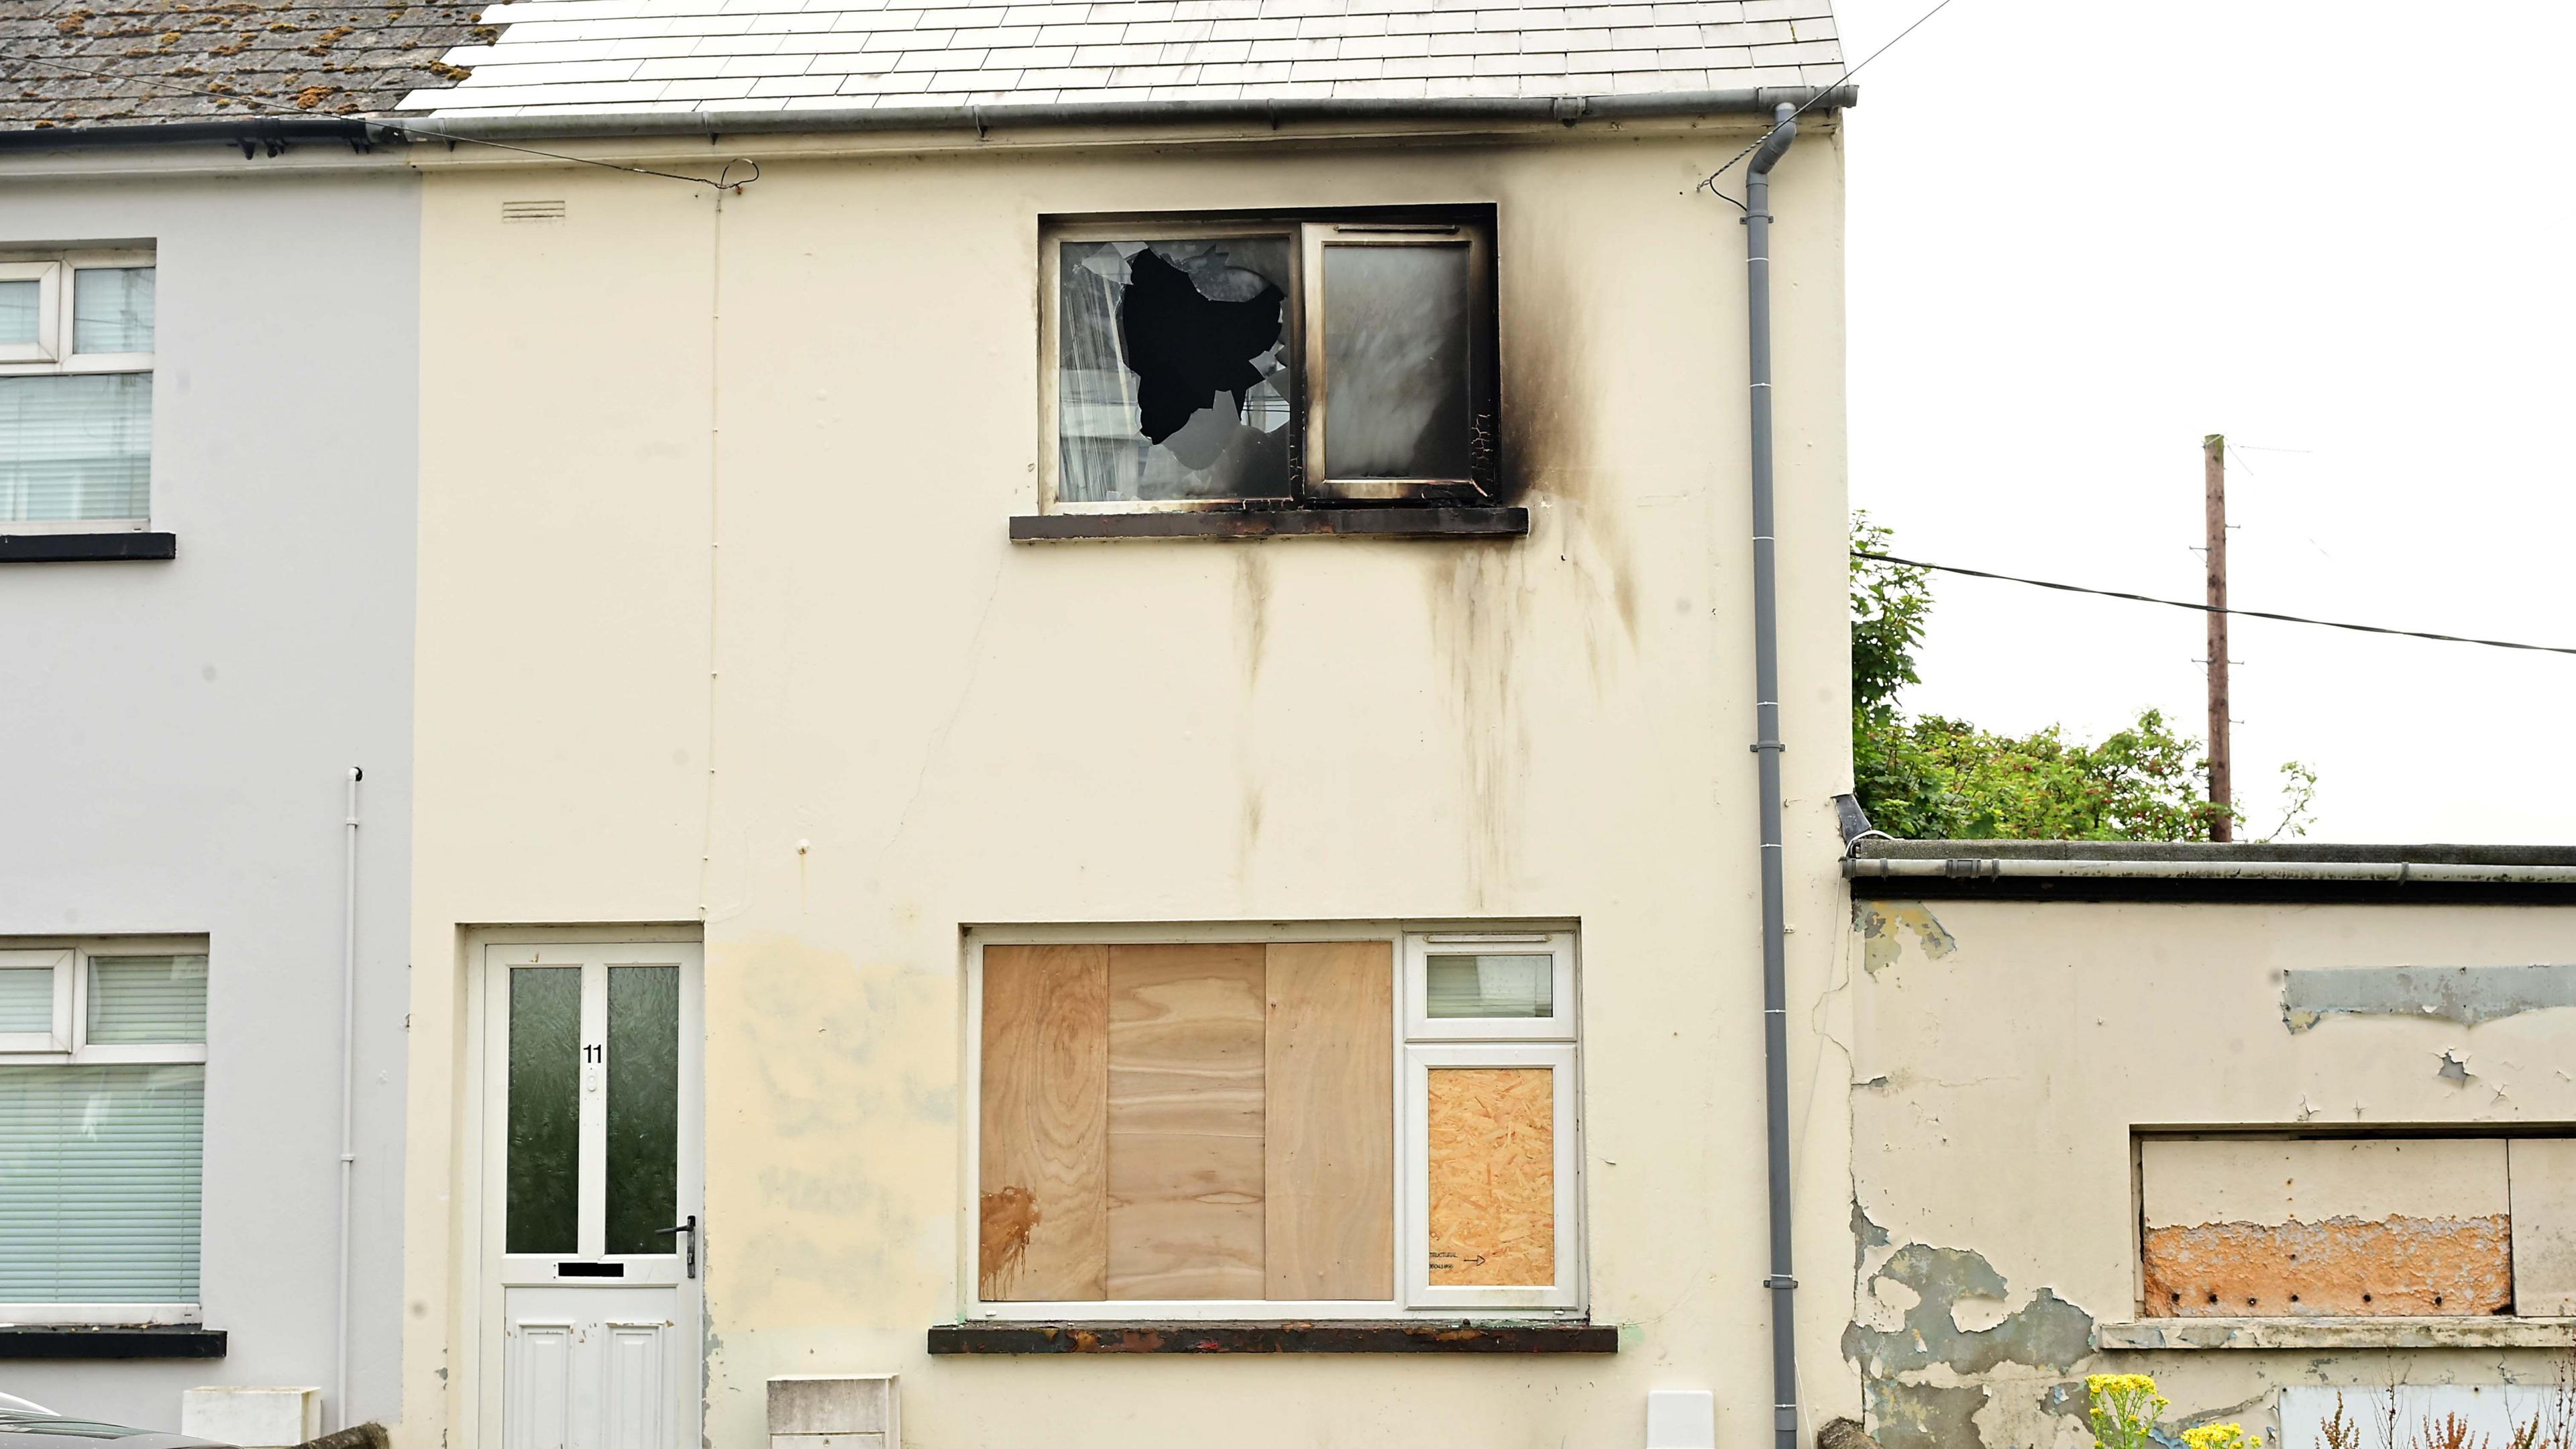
{"x":590,"y":1270}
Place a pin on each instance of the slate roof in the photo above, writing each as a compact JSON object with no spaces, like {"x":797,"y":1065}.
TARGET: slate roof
{"x":135,"y":62}
{"x":561,"y":57}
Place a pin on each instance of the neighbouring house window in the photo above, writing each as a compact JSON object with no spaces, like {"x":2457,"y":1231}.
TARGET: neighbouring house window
{"x":76,"y":358}
{"x":102,"y":1130}
{"x":1272,"y":363}
{"x":1269,"y":1128}
{"x":2357,"y":1227}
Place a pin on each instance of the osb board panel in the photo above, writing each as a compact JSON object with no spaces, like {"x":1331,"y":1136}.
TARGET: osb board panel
{"x":1492,"y":1141}
{"x":2343,"y":1266}
{"x":2190,"y":1181}
{"x":2544,"y":1226}
{"x":1043,"y":1231}
{"x":1329,"y":1166}
{"x":1185,"y":1121}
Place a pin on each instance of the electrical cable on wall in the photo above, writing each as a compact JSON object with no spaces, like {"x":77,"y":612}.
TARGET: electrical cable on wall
{"x":2206,"y":609}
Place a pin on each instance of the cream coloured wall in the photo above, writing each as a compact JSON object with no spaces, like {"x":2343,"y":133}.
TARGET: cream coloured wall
{"x":862,"y":720}
{"x":2004,"y":1052}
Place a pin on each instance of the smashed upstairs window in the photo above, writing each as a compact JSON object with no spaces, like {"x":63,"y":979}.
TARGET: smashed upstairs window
{"x":1173,"y":377}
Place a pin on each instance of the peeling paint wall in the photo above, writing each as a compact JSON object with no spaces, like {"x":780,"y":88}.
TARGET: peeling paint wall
{"x":2004,"y":1054}
{"x":870,"y":720}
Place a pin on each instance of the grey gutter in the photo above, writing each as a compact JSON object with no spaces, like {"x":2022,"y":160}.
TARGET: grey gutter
{"x":1992,"y":868}
{"x":1767,"y":747}
{"x":1567,"y":110}
{"x":2203,"y":853}
{"x":271,"y":133}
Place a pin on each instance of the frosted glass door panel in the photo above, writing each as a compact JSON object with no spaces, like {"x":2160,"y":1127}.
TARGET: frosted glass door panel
{"x":643,"y":1107}
{"x":544,"y":1153}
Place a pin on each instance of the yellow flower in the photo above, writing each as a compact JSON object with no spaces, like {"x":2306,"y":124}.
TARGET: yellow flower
{"x":2221,"y":1436}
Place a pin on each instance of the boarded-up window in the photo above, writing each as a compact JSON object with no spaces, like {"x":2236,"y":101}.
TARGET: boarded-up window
{"x":2356,"y":1227}
{"x":1187,"y":1122}
{"x":1217,"y":1122}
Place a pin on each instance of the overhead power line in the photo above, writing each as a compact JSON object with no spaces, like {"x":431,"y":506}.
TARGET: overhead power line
{"x":1710,"y":182}
{"x":1916,"y":563}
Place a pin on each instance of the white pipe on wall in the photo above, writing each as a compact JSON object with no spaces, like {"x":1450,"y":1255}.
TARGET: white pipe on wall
{"x":348,"y":1090}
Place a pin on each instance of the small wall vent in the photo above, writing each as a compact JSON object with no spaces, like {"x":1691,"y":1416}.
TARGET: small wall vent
{"x":532,"y":211}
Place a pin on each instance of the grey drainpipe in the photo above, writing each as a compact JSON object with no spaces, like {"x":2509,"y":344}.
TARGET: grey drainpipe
{"x":1766,"y":753}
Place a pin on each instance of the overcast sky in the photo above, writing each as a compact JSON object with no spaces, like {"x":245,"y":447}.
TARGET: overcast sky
{"x":2082,"y":235}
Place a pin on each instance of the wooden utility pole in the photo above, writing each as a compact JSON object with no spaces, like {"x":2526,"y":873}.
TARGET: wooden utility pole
{"x":2222,"y":782}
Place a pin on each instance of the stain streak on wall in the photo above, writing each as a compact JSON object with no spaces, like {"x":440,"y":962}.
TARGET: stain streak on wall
{"x":2342,"y":1267}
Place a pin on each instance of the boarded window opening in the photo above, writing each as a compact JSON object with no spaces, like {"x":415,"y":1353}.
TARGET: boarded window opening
{"x":1280,"y":1122}
{"x":1180,"y":1122}
{"x":2356,"y":1227}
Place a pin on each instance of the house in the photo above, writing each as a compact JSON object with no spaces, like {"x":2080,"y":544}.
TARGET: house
{"x":208,"y":449}
{"x":1104,"y":722}
{"x":1082,"y":725}
{"x":2287,"y":1128}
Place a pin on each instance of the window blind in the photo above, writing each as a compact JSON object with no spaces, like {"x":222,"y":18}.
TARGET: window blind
{"x":100,"y":1172}
{"x":26,"y":998}
{"x":147,"y":999}
{"x":75,"y":446}
{"x":19,"y":301}
{"x":112,"y":309}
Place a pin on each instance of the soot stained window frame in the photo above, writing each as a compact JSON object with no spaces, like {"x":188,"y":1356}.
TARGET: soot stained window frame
{"x":1306,"y":233}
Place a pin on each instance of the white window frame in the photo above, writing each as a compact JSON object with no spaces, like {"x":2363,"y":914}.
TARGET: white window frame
{"x":53,"y":355}
{"x":1410,"y":1298}
{"x":1421,"y":1059}
{"x":71,"y":1047}
{"x":48,"y":277}
{"x":1421,"y":1025}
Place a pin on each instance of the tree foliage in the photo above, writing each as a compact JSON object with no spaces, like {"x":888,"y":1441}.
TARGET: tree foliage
{"x":1931,"y":777}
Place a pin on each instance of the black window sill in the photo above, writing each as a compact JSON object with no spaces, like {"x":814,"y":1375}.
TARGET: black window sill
{"x":1433,"y":521}
{"x":86,"y":547}
{"x":1368,"y":1336}
{"x":182,"y":1340}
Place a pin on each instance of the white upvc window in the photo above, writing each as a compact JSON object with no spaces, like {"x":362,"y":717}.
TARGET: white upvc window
{"x":76,"y":363}
{"x":1273,"y":1123}
{"x":102,"y":1129}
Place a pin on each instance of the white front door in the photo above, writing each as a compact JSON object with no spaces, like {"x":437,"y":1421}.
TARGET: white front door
{"x":592,"y":1186}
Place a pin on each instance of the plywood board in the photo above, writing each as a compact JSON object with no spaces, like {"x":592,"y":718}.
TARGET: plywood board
{"x":2544,"y":1226}
{"x":1185,"y":1121}
{"x":2254,"y":1180}
{"x":2336,"y":1227}
{"x":1043,"y":1226}
{"x":1492,"y":1208}
{"x":1329,"y":1146}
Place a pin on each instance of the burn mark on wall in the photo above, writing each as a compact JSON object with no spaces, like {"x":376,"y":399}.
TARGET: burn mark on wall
{"x":2465,"y":994}
{"x":1007,"y":1217}
{"x":2343,"y":1266}
{"x":1880,"y":924}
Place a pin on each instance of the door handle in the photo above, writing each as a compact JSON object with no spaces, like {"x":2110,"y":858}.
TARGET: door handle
{"x":690,"y":1229}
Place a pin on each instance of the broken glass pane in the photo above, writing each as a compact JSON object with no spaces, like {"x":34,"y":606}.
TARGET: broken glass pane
{"x":1397,"y":386}
{"x":1173,"y":377}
